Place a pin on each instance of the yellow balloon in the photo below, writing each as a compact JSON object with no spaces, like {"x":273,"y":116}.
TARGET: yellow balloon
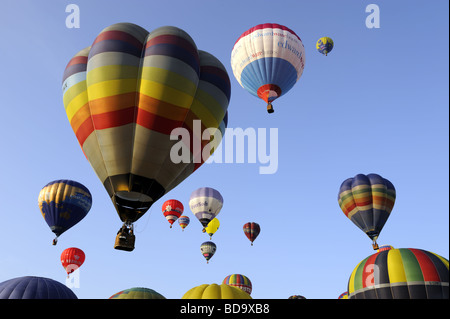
{"x":212,"y":227}
{"x":215,"y":291}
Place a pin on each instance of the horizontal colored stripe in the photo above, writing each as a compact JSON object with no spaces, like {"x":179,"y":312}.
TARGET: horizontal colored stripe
{"x":175,"y":40}
{"x":76,"y":65}
{"x":120,"y":36}
{"x":115,"y":46}
{"x":174,"y":51}
{"x":266,"y":26}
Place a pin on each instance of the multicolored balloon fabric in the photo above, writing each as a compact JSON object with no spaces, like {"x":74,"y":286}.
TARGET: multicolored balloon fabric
{"x":367,"y":200}
{"x":239,"y":281}
{"x":126,"y":93}
{"x":404,"y":273}
{"x":267,"y":60}
{"x":324,"y":45}
{"x":208,"y":249}
{"x":64,"y":203}
{"x":251,"y":230}
{"x":184,"y":221}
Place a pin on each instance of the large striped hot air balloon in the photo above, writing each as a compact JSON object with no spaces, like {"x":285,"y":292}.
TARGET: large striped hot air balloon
{"x":125,"y":94}
{"x":63,"y":204}
{"x":403,"y":273}
{"x":205,"y":203}
{"x":367,"y":200}
{"x":267,"y":60}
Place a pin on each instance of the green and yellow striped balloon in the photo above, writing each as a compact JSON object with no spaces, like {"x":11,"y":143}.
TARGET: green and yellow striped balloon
{"x":403,"y":273}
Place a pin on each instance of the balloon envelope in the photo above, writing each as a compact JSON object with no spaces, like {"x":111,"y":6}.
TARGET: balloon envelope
{"x":212,"y":227}
{"x":137,"y":293}
{"x":239,"y":281}
{"x":205,"y":203}
{"x":251,"y":230}
{"x":32,"y":287}
{"x":172,"y":210}
{"x":184,"y":221}
{"x":324,"y":45}
{"x":125,"y":94}
{"x":367,"y":200}
{"x":267,"y":60}
{"x":63,"y":203}
{"x":215,"y":291}
{"x":72,"y":258}
{"x":404,"y":273}
{"x":208,"y":249}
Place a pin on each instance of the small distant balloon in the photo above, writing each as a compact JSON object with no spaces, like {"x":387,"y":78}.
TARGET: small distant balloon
{"x":212,"y":227}
{"x":251,"y":230}
{"x":239,"y":281}
{"x":324,"y":45}
{"x":183,"y":221}
{"x":71,"y":259}
{"x":208,"y":249}
{"x":172,"y":210}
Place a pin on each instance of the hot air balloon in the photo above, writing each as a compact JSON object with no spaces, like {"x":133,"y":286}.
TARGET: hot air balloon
{"x":267,"y":60}
{"x":183,"y":221}
{"x":367,"y":200}
{"x":404,"y":273}
{"x":324,"y":45}
{"x":343,"y":295}
{"x":71,"y":259}
{"x":63,"y":203}
{"x":384,"y":247}
{"x":32,"y":287}
{"x":215,"y":291}
{"x":296,"y":297}
{"x":172,"y":210}
{"x":208,"y":249}
{"x":137,"y":293}
{"x":205,"y":203}
{"x":239,"y":281}
{"x":212,"y":227}
{"x":251,"y":230}
{"x":125,"y":95}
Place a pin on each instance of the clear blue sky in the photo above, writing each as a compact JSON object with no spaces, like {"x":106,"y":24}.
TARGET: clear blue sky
{"x":378,"y":103}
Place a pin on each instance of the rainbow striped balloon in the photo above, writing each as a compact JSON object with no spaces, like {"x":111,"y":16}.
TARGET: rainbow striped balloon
{"x":367,"y":200}
{"x":267,"y":60}
{"x":239,"y":281}
{"x":403,"y":273}
{"x":125,"y":94}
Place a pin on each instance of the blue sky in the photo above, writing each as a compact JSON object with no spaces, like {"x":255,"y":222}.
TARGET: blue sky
{"x":378,"y":103}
